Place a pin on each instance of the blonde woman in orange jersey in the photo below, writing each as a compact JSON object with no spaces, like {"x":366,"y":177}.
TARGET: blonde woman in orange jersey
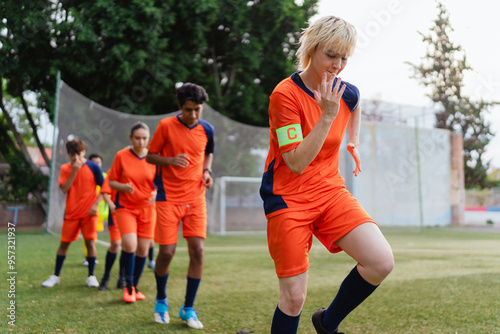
{"x":302,"y":189}
{"x":133,"y":178}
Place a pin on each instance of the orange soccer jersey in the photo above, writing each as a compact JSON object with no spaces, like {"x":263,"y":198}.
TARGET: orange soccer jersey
{"x":129,"y":168}
{"x":82,"y":194}
{"x":106,"y":189}
{"x":172,"y":137}
{"x":293,"y":112}
{"x":114,"y":231}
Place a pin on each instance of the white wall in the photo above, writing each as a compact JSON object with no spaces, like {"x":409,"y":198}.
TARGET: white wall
{"x":388,"y":186}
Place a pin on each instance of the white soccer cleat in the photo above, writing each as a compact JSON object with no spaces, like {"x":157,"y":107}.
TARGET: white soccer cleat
{"x":92,"y":281}
{"x":53,"y":280}
{"x":189,"y":315}
{"x":194,"y":323}
{"x":86,"y":262}
{"x":161,"y":311}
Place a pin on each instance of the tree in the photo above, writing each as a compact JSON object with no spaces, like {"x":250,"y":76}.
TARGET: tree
{"x":251,"y":48}
{"x":129,"y":55}
{"x":24,"y":34}
{"x":477,"y":135}
{"x":442,"y":70}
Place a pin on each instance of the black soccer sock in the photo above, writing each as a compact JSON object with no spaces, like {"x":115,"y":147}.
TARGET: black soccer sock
{"x":110,"y":260}
{"x":129,"y":263}
{"x":284,"y":324}
{"x":121,"y":273}
{"x":161,"y":286}
{"x":353,"y":291}
{"x":151,"y":254}
{"x":191,"y":289}
{"x":138,"y":268}
{"x":59,"y":264}
{"x":91,"y":261}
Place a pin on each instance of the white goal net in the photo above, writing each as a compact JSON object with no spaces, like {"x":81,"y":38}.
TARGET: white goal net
{"x":240,"y":151}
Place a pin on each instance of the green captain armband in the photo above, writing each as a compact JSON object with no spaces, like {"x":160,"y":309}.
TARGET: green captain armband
{"x":289,"y":134}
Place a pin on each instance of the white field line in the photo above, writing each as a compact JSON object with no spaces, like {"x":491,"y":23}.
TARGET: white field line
{"x":319,"y":247}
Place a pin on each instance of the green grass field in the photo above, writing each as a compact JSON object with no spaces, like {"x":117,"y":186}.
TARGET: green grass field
{"x":445,"y":281}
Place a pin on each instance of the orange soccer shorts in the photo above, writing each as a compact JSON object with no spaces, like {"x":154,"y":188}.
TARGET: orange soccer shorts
{"x":140,"y":220}
{"x":114,"y":231}
{"x":71,"y":228}
{"x":289,"y":235}
{"x":193,"y":216}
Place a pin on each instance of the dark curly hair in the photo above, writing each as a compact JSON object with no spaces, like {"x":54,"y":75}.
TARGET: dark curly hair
{"x":191,"y":92}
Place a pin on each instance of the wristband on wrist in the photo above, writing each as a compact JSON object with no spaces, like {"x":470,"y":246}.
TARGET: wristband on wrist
{"x":208,"y":170}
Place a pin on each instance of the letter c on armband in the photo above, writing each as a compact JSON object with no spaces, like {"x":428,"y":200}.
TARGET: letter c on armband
{"x":289,"y":134}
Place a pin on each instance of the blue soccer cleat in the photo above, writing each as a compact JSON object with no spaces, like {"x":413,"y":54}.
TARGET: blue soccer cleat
{"x":161,"y":311}
{"x":188,"y":314}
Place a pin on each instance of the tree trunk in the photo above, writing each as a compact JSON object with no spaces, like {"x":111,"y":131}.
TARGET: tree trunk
{"x":217,"y":79}
{"x":34,"y":129}
{"x":18,"y":138}
{"x":36,"y":191}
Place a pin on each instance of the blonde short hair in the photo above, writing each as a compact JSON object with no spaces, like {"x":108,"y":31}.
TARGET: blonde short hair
{"x":329,"y":32}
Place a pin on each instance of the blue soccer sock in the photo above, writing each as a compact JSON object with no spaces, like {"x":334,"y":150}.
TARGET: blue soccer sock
{"x":59,"y":264}
{"x":91,"y":261}
{"x":129,"y":264}
{"x":161,"y":286}
{"x":110,"y":260}
{"x":353,"y":291}
{"x":138,"y":268}
{"x":284,"y":324}
{"x":121,"y":273}
{"x":191,"y":289}
{"x":151,"y":254}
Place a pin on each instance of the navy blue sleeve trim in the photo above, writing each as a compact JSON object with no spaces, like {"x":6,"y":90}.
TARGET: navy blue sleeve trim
{"x":272,"y":202}
{"x":97,"y":171}
{"x":350,"y":96}
{"x":160,"y":189}
{"x":111,"y":222}
{"x":210,"y":131}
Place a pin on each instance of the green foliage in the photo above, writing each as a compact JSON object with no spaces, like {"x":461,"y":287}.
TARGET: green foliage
{"x":129,"y":56}
{"x":442,"y":71}
{"x":27,"y":52}
{"x":19,"y":116}
{"x":250,"y":50}
{"x":21,"y":180}
{"x":494,"y":178}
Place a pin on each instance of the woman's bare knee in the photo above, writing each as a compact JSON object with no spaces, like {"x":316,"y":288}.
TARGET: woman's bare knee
{"x":385,"y":267}
{"x":291,"y":304}
{"x":377,"y":271}
{"x":293,"y":291}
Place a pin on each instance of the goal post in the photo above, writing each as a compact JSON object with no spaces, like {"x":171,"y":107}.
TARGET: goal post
{"x":236,"y":206}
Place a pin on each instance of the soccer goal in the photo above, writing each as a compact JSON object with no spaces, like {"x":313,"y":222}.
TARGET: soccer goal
{"x":236,"y":206}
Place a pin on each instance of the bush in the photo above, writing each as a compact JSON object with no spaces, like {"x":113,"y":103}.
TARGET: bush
{"x":20,"y":181}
